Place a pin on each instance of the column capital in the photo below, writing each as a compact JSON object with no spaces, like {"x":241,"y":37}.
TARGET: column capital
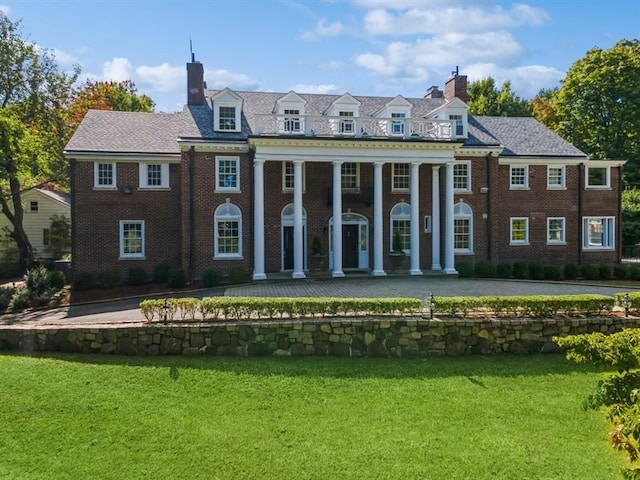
{"x":338,"y":162}
{"x":378,"y":163}
{"x":435,"y":168}
{"x":298,"y":162}
{"x":258,"y":161}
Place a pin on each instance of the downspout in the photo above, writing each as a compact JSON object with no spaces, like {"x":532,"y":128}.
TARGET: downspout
{"x":619,"y":222}
{"x":579,"y":232}
{"x":192,"y":222}
{"x":489,"y":236}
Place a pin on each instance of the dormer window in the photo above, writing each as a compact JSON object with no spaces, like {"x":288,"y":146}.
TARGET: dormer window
{"x":397,"y":126}
{"x":227,"y":118}
{"x":292,"y":120}
{"x":459,"y":125}
{"x":227,"y":107}
{"x":347,"y":123}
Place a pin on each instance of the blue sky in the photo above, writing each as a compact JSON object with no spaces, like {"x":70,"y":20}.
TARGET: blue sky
{"x":364,"y":47}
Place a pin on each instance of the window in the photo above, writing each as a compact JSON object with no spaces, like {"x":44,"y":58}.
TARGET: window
{"x":598,"y":233}
{"x":131,"y":239}
{"x":350,"y":176}
{"x":556,"y":177}
{"x":397,"y":126}
{"x":228,"y":174}
{"x":400,"y":177}
{"x":458,"y":125}
{"x":555,"y":230}
{"x":427,"y":224}
{"x":462,"y":177}
{"x":227,"y":118}
{"x":519,"y":176}
{"x":462,"y":228}
{"x":347,"y":125}
{"x":288,"y":177}
{"x":33,"y":207}
{"x":227,"y":232}
{"x":292,"y":120}
{"x":519,"y":231}
{"x":401,"y":226}
{"x":154,"y":175}
{"x":598,"y":177}
{"x":104,"y":175}
{"x":46,"y":237}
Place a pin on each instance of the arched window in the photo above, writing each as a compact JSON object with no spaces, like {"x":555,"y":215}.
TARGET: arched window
{"x":401,"y":227}
{"x":227,"y":231}
{"x":462,"y":228}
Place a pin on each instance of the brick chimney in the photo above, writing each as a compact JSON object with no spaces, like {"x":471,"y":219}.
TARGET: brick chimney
{"x":433,"y":92}
{"x":456,"y":87}
{"x":195,"y":83}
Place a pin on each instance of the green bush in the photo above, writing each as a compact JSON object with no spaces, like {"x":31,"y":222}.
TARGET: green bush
{"x":176,"y":278}
{"x":465,"y":270}
{"x":536,"y":271}
{"x":20,"y":299}
{"x":571,"y":271}
{"x":552,"y":272}
{"x":38,"y":280}
{"x":621,"y":271}
{"x":137,"y":276}
{"x":605,"y":272}
{"x":238,"y":275}
{"x":83,"y":281}
{"x":634,"y":272}
{"x":56,"y":279}
{"x":5,"y":298}
{"x":211,"y":277}
{"x":110,"y":279}
{"x":161,"y":272}
{"x":521,"y":270}
{"x":589,"y":272}
{"x":486,"y":269}
{"x":504,"y":270}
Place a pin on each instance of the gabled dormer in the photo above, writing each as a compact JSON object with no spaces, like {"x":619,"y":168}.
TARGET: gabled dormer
{"x":399,"y":108}
{"x":456,"y":110}
{"x":227,"y":109}
{"x":348,"y":109}
{"x":291,"y":110}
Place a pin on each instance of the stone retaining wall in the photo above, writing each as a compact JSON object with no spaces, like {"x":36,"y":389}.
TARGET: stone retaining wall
{"x":406,"y":337}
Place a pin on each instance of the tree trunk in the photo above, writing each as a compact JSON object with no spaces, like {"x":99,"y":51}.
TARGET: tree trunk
{"x":15,"y":217}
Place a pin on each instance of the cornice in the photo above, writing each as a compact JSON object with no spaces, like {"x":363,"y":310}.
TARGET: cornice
{"x":213,"y":146}
{"x":257,"y":142}
{"x":123,"y":157}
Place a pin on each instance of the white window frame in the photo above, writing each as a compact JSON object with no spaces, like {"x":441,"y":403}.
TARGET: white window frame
{"x":400,"y":212}
{"x":563,"y":231}
{"x":395,"y":175}
{"x":292,"y":123}
{"x":608,"y":233}
{"x":286,"y":176}
{"x":563,"y":177}
{"x":347,"y":122}
{"x":519,"y":186}
{"x":144,"y":176}
{"x":219,"y":126}
{"x":458,"y":126}
{"x":357,"y":176}
{"x":96,"y":176}
{"x":127,"y":255}
{"x":607,"y":184}
{"x":524,"y":241}
{"x":397,"y":124}
{"x":462,"y":211}
{"x":467,"y":189}
{"x":33,"y":206}
{"x":427,"y":224}
{"x":218,"y":217}
{"x":222,"y":188}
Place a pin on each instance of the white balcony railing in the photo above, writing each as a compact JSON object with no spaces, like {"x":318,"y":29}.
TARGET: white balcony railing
{"x":356,"y":127}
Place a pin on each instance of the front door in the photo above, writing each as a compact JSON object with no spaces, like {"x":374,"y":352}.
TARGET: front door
{"x":350,"y":244}
{"x":287,"y":244}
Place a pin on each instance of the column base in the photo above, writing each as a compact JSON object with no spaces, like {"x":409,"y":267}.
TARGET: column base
{"x":378,"y":273}
{"x":436,"y":267}
{"x":259,"y":276}
{"x":337,"y":274}
{"x":450,"y":271}
{"x":298,"y":275}
{"x":415,"y":272}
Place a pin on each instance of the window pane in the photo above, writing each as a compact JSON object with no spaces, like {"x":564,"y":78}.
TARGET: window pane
{"x":227,"y":118}
{"x":519,"y":176}
{"x":555,"y":231}
{"x":555,"y":176}
{"x":132,"y":238}
{"x":154,"y":175}
{"x":401,"y":176}
{"x":349,"y":175}
{"x":598,"y":177}
{"x":228,"y":237}
{"x":105,"y":174}
{"x":461,"y":176}
{"x":402,"y":228}
{"x":518,"y":230}
{"x":461,"y":234}
{"x":227,"y":173}
{"x":288,"y":175}
{"x":291,"y":120}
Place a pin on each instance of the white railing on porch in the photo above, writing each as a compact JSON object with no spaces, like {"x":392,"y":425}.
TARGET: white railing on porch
{"x":357,"y":127}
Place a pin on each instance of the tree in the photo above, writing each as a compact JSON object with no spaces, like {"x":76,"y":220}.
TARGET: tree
{"x":484,"y":98}
{"x":119,"y":96}
{"x":59,"y":236}
{"x":598,"y":105}
{"x":544,"y":109}
{"x":33,"y":125}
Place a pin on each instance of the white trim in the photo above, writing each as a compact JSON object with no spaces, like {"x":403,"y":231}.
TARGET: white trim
{"x":357,"y":187}
{"x":111,"y":186}
{"x":143,"y":176}
{"x":123,"y":254}
{"x":563,"y":183}
{"x":608,"y":233}
{"x":286,"y":189}
{"x":518,"y":186}
{"x":468,"y":164}
{"x":563,"y":240}
{"x":404,"y":215}
{"x":217,"y":218}
{"x":223,"y":188}
{"x":393,"y":178}
{"x":526,"y":231}
{"x":597,"y":187}
{"x":467,"y":215}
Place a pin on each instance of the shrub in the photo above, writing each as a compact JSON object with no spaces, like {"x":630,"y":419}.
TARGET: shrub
{"x":621,"y":271}
{"x":176,"y":278}
{"x":238,"y":275}
{"x":605,"y":272}
{"x":137,"y":276}
{"x":571,"y":271}
{"x":211,"y":277}
{"x":20,"y":299}
{"x":589,"y":272}
{"x":504,"y":270}
{"x":5,"y":298}
{"x":38,"y":280}
{"x":552,"y":272}
{"x":521,"y":270}
{"x":465,"y":270}
{"x":161,"y":272}
{"x":634,"y":272}
{"x":486,"y":269}
{"x":56,"y":279}
{"x":536,"y":271}
{"x":83,"y":281}
{"x":110,"y":279}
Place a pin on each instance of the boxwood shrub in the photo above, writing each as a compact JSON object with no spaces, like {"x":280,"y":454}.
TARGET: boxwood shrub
{"x":211,"y":277}
{"x":536,"y":271}
{"x":521,"y":270}
{"x":571,"y":271}
{"x":504,"y":270}
{"x":486,"y":269}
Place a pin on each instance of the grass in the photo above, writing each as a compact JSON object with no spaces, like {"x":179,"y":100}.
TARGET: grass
{"x":109,"y":417}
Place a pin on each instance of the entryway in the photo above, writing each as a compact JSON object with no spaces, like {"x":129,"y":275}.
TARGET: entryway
{"x":355,"y":242}
{"x":286,"y":223}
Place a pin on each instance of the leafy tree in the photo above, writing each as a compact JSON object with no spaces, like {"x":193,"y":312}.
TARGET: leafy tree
{"x":598,"y":105}
{"x":119,"y":96}
{"x":484,"y":98}
{"x":33,"y":125}
{"x":544,"y":109}
{"x":59,"y":236}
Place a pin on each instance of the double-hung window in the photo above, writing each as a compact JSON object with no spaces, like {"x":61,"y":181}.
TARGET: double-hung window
{"x":288,"y":177}
{"x":519,"y":231}
{"x":519,"y":176}
{"x":598,"y":177}
{"x":556,"y":230}
{"x":227,"y":174}
{"x":104,"y":175}
{"x":132,"y":239}
{"x":400,"y":177}
{"x":397,"y":126}
{"x":227,"y":118}
{"x":459,"y":126}
{"x":462,"y":229}
{"x":556,"y":177}
{"x":350,"y":176}
{"x":598,"y":233}
{"x":462,"y":176}
{"x":227,"y":231}
{"x":154,"y":175}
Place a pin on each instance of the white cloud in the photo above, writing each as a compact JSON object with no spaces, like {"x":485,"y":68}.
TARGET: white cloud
{"x":65,"y":59}
{"x":217,"y":79}
{"x":526,"y":81}
{"x":324,"y":29}
{"x":332,"y":65}
{"x":309,"y":88}
{"x":161,"y":78}
{"x":6,"y":9}
{"x":117,"y":70}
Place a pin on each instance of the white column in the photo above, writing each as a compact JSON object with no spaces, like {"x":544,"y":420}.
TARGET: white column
{"x":298,"y":243}
{"x":378,"y":257}
{"x":337,"y":220}
{"x":449,"y":258}
{"x":415,"y":219}
{"x":258,"y":220}
{"x":435,"y":218}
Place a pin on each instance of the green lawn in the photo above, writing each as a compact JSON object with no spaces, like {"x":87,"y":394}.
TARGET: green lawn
{"x":108,"y":417}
